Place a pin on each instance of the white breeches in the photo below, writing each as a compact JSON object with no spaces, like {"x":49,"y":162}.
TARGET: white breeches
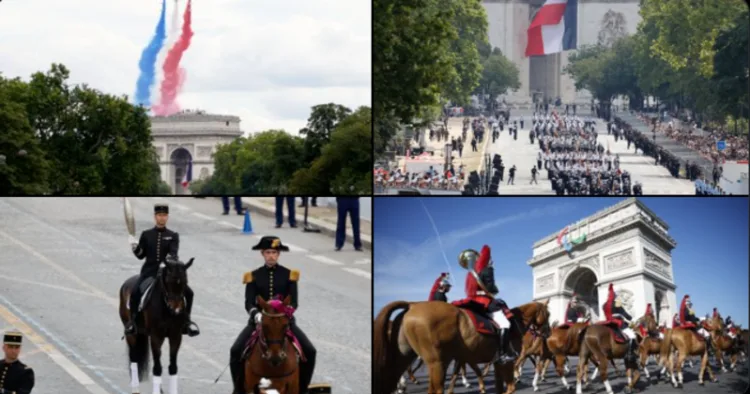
{"x":580,"y":320}
{"x":500,"y":319}
{"x":703,"y":332}
{"x":661,"y":335}
{"x":731,"y":335}
{"x":628,"y":333}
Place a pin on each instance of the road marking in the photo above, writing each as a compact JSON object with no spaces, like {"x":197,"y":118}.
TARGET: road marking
{"x":324,"y":259}
{"x":357,"y":271}
{"x":115,"y":302}
{"x":363,"y":261}
{"x":42,"y":284}
{"x":202,"y":216}
{"x":68,"y":366}
{"x":230,"y":224}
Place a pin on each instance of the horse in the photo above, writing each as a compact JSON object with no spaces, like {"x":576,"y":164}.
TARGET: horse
{"x":650,"y":346}
{"x":687,"y":344}
{"x":597,"y":342}
{"x":162,"y":318}
{"x":273,"y":355}
{"x":723,"y":343}
{"x":440,"y":333}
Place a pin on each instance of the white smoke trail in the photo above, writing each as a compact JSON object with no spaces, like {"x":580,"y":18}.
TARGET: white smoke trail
{"x":440,"y":241}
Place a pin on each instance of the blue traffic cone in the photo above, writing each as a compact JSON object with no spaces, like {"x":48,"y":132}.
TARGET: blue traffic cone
{"x":248,"y":228}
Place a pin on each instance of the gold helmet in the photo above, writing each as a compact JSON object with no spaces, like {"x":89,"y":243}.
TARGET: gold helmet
{"x":618,"y":301}
{"x":467,"y":258}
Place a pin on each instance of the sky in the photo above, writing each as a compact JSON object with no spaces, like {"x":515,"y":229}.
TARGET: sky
{"x":267,"y":62}
{"x":710,"y":261}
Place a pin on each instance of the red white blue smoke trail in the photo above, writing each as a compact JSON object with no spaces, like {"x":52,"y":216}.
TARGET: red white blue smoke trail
{"x":174,"y":75}
{"x":147,"y":64}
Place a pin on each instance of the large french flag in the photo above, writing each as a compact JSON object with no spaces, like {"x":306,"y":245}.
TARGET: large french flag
{"x":188,"y":177}
{"x":554,"y":28}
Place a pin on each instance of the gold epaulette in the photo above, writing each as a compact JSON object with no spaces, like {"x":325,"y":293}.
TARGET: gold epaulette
{"x":294,"y":275}
{"x":247,"y":278}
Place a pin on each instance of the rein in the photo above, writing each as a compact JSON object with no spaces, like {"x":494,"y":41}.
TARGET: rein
{"x":165,"y":294}
{"x":264,"y":342}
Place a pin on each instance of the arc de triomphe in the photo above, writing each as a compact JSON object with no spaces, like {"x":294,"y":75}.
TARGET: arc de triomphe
{"x":625,"y":244}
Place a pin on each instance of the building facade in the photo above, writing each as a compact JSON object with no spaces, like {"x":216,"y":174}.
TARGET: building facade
{"x":190,"y":136}
{"x":627,"y":245}
{"x":599,"y":21}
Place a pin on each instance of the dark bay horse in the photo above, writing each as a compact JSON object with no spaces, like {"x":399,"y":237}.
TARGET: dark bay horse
{"x":272,"y":349}
{"x":599,"y":345}
{"x":439,"y":333}
{"x":162,"y":318}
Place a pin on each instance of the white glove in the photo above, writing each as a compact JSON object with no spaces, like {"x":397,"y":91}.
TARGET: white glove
{"x":258,"y":317}
{"x":132,"y":241}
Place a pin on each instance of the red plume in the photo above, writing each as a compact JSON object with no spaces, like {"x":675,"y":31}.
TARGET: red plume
{"x":483,"y":260}
{"x":648,"y":309}
{"x":682,"y":308}
{"x":436,"y":285}
{"x":715,"y":312}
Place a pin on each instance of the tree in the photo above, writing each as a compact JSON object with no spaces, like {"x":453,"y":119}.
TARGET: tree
{"x":89,"y":142}
{"x":345,"y":162}
{"x":320,"y":125}
{"x":498,"y":75}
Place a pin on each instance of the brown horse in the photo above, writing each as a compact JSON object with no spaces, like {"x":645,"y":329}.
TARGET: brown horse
{"x":456,"y":370}
{"x":687,"y":344}
{"x":162,"y":318}
{"x":650,"y":346}
{"x":272,"y":353}
{"x":562,"y":342}
{"x":599,"y":344}
{"x":722,"y":343}
{"x":441,"y":333}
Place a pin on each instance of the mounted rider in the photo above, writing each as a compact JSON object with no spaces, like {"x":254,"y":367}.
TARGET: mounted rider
{"x":269,"y":281}
{"x":614,"y":312}
{"x":676,"y":320}
{"x":688,"y":318}
{"x":155,"y":245}
{"x":573,"y":315}
{"x":729,"y":325}
{"x":642,"y":326}
{"x":440,"y":288}
{"x":480,"y":288}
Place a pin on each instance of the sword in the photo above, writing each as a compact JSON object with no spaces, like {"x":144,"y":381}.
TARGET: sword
{"x":129,"y":219}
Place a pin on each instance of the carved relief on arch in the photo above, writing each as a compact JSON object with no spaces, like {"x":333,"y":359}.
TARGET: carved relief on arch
{"x":612,"y":28}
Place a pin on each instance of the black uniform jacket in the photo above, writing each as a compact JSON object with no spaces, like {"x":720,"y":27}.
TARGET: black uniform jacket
{"x":155,"y":244}
{"x":268,"y":283}
{"x":16,"y":377}
{"x":439,"y":296}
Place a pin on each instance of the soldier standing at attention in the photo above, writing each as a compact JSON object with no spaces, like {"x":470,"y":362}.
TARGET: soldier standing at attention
{"x":155,"y":245}
{"x":15,"y":376}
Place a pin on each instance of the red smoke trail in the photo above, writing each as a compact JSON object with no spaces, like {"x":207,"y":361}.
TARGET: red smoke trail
{"x":174,"y":76}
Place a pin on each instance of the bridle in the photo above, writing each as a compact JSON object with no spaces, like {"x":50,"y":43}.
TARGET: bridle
{"x":284,"y":341}
{"x":167,"y":296}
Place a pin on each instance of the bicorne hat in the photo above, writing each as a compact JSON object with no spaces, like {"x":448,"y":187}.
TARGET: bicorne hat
{"x":12,"y":338}
{"x":161,"y":208}
{"x":270,"y":242}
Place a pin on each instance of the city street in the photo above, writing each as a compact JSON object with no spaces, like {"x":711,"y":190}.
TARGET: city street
{"x":64,"y":259}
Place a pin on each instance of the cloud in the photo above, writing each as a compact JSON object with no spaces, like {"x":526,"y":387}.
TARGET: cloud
{"x":405,"y":261}
{"x":264,"y":61}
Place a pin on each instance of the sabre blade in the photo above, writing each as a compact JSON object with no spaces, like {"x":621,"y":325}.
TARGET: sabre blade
{"x":129,"y":218}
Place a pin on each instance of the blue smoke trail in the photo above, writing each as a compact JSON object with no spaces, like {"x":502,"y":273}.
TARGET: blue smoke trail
{"x":147,"y":64}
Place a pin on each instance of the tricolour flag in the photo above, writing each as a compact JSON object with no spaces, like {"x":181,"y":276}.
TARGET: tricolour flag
{"x":188,"y":175}
{"x":554,"y":28}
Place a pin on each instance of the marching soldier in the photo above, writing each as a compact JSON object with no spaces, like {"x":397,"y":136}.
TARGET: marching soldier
{"x":481,"y":288}
{"x":15,"y":376}
{"x":155,"y":245}
{"x":269,"y":281}
{"x":440,"y":288}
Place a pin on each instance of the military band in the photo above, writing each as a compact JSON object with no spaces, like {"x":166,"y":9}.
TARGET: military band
{"x":269,"y":281}
{"x":15,"y":376}
{"x":156,"y":245}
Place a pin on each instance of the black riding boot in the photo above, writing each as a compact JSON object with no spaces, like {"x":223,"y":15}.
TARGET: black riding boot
{"x":238,"y":377}
{"x":130,"y":328}
{"x":191,"y":329}
{"x":505,"y":353}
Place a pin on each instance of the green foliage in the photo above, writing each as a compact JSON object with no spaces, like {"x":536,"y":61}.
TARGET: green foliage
{"x":689,"y":54}
{"x":77,"y":140}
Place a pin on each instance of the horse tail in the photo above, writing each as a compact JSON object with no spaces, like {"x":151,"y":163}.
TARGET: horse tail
{"x":580,"y":336}
{"x":140,"y":353}
{"x":384,"y":349}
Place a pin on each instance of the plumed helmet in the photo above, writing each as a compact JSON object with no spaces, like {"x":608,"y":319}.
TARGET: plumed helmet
{"x":715,"y":312}
{"x":648,"y":309}
{"x":445,"y":279}
{"x":618,"y":301}
{"x":574,"y":298}
{"x":467,"y":258}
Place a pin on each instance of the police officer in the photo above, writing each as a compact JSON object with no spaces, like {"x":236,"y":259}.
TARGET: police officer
{"x":15,"y":376}
{"x":155,"y":244}
{"x":269,"y":281}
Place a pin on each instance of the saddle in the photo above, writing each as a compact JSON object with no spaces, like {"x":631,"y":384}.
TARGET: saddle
{"x":693,"y":328}
{"x":254,"y":339}
{"x":483,"y":323}
{"x":145,"y":290}
{"x":614,"y":329}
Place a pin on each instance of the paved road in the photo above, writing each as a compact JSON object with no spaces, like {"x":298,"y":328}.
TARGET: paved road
{"x":64,"y":259}
{"x":731,"y":382}
{"x":656,"y":180}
